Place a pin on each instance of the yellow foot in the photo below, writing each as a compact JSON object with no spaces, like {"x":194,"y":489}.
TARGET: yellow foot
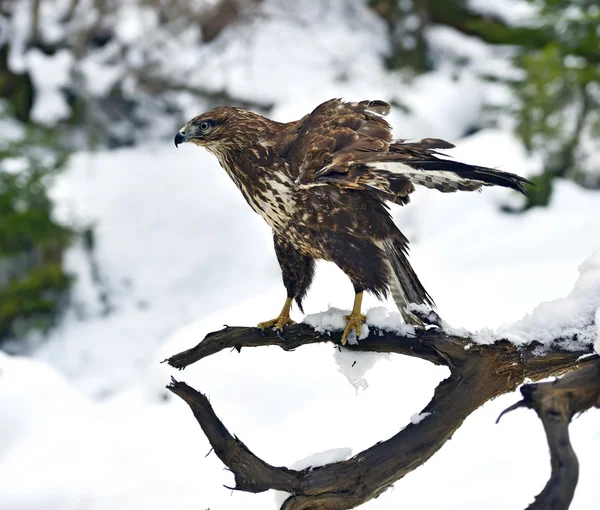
{"x":278,"y":322}
{"x":283,"y":319}
{"x":355,"y":321}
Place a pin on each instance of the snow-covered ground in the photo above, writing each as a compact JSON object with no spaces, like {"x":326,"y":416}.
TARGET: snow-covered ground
{"x":86,"y":422}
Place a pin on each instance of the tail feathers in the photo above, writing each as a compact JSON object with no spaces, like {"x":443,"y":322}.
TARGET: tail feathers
{"x":480,"y":174}
{"x":405,"y":284}
{"x":446,"y":175}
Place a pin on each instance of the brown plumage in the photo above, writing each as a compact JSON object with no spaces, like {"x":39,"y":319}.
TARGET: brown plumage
{"x":322,"y":182}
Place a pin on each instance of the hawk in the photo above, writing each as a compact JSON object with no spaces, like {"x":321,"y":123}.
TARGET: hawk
{"x":322,"y":184}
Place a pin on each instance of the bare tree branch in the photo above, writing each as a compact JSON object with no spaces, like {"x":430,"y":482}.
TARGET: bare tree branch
{"x":422,"y":346}
{"x":251,"y":473}
{"x":478,"y":374}
{"x":556,"y":403}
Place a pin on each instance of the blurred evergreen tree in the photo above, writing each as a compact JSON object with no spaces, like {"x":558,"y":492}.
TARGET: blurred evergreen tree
{"x":558,"y":114}
{"x":557,"y":108}
{"x":32,"y":279}
{"x":406,"y":21}
{"x":84,"y":40}
{"x":33,"y":283}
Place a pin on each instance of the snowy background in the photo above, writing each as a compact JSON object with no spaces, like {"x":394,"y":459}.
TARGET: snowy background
{"x":86,"y":422}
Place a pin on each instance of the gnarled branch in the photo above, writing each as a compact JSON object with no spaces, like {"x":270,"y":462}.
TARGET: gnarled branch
{"x":556,"y":403}
{"x":421,"y":345}
{"x":478,"y":373}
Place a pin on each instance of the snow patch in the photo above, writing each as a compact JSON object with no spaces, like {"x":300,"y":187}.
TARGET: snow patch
{"x":570,"y":319}
{"x":330,"y":320}
{"x":134,"y":21}
{"x":354,"y":365}
{"x":382,"y":318}
{"x":99,"y":76}
{"x":333,"y":320}
{"x":378,"y":317}
{"x":513,"y":12}
{"x":49,"y":74}
{"x":323,"y":458}
{"x":415,"y":419}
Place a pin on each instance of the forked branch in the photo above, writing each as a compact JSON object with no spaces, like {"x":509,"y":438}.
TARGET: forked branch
{"x":478,"y":373}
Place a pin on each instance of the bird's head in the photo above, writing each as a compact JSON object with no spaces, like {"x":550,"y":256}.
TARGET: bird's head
{"x":225,"y":128}
{"x":209,"y":129}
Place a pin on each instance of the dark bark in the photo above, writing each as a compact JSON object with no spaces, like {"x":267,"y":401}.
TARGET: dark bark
{"x":478,"y":374}
{"x":556,"y":403}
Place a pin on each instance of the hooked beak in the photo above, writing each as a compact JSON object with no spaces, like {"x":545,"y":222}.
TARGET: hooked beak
{"x":180,"y":138}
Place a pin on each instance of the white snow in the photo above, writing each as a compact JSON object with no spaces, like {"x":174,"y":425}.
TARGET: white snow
{"x":134,"y":21}
{"x":567,"y":323}
{"x":163,"y":257}
{"x":415,"y":419}
{"x":38,"y":397}
{"x":379,"y":317}
{"x":343,"y":55}
{"x":99,"y":76}
{"x":354,"y":365}
{"x":49,"y":73}
{"x":87,"y":423}
{"x":388,"y":320}
{"x":513,"y":12}
{"x":188,"y":274}
{"x":322,"y":458}
{"x":333,"y":320}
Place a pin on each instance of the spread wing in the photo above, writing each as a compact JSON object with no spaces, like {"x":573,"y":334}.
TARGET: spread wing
{"x":328,"y":138}
{"x":349,"y":145}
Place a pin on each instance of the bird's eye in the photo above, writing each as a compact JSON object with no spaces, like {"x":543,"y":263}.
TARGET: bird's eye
{"x":205,"y":126}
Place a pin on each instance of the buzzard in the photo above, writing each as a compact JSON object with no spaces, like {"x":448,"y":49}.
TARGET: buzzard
{"x":322,"y":183}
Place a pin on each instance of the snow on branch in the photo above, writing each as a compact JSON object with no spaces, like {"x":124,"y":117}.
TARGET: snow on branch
{"x":567,"y":323}
{"x":563,"y":325}
{"x":556,"y":338}
{"x":478,"y":374}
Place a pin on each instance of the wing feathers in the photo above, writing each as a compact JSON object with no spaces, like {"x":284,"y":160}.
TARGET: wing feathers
{"x":349,"y":145}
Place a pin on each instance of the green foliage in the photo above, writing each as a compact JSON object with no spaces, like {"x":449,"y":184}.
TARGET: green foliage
{"x":31,"y":301}
{"x":26,"y":166}
{"x":559,"y":96}
{"x":17,"y":89}
{"x":32,"y":280}
{"x":406,"y":22}
{"x":557,"y":107}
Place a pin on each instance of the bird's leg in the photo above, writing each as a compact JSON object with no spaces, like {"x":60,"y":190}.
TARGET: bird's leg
{"x":283,"y":319}
{"x":355,"y":319}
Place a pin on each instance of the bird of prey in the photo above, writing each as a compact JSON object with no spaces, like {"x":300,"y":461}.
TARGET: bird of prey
{"x":322,"y":182}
